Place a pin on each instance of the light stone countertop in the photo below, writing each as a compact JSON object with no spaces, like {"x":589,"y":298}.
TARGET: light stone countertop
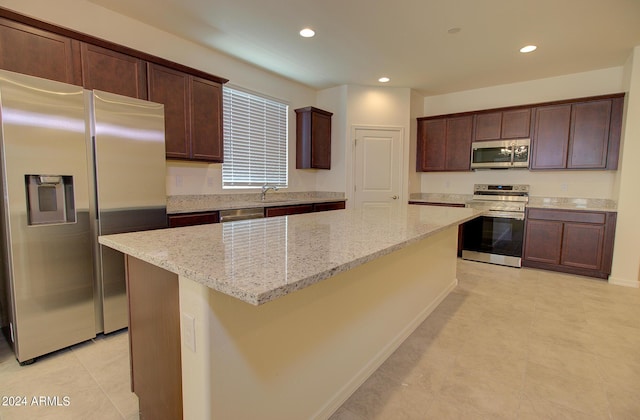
{"x":260,"y":260}
{"x":563,"y":203}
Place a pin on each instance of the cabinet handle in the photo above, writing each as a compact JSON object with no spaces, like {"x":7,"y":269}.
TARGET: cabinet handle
{"x":395,"y":197}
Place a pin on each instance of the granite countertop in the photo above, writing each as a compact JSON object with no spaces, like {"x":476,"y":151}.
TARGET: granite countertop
{"x":563,"y":203}
{"x":260,"y":260}
{"x":212,"y":202}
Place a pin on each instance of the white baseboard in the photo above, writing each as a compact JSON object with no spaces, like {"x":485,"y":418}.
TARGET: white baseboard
{"x":624,"y":282}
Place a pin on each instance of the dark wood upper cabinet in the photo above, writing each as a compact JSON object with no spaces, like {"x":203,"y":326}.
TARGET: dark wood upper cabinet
{"x":114,"y":72}
{"x":551,"y":137}
{"x":35,"y":52}
{"x":458,"y":150}
{"x":206,"y":120}
{"x":171,"y":88}
{"x":432,"y":142}
{"x":511,"y":124}
{"x":516,"y":124}
{"x":488,"y":126}
{"x":582,"y":134}
{"x":444,"y":144}
{"x":192,"y":113}
{"x":589,"y":134}
{"x":192,"y":98}
{"x":569,"y":134}
{"x":313,"y":138}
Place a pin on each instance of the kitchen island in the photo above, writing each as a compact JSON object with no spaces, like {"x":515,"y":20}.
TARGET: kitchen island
{"x":283,"y":317}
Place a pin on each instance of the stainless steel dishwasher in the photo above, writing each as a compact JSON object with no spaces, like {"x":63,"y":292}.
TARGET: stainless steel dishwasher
{"x":233,"y":215}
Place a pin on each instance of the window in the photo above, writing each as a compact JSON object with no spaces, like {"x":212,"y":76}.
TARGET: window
{"x":255,"y":140}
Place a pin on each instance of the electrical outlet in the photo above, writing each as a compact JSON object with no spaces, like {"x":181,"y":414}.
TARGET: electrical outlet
{"x":564,"y":187}
{"x":178,"y":180}
{"x":209,"y":181}
{"x":189,"y":331}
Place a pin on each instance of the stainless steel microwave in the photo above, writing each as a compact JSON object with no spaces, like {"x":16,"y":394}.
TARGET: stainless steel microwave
{"x":500,"y":154}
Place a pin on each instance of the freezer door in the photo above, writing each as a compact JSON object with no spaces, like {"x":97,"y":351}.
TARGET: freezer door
{"x":48,"y":264}
{"x":129,"y":156}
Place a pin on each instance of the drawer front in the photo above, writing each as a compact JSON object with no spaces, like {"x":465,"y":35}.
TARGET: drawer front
{"x":578,"y":216}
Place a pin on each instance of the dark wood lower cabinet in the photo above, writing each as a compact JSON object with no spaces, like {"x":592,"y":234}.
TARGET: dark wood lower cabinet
{"x":154,"y":340}
{"x":192,"y":219}
{"x":202,"y":218}
{"x":571,"y":241}
{"x":337,"y":205}
{"x":543,"y":241}
{"x":288,"y":210}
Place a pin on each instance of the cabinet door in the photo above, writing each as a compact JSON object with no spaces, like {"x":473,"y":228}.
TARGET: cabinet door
{"x":113,"y":72}
{"x":551,"y":137}
{"x":34,"y":52}
{"x":582,"y":245}
{"x":206,"y":120}
{"x":338,"y":205}
{"x":287,"y":210}
{"x":543,"y":241}
{"x":320,"y":141}
{"x":589,"y":136}
{"x":192,"y":219}
{"x":516,"y":124}
{"x":458,"y":149}
{"x":171,"y":88}
{"x":488,"y":126}
{"x":432,"y":142}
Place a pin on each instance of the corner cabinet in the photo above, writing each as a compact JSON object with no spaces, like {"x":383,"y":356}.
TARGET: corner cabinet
{"x":313,"y":138}
{"x":193,"y":113}
{"x":572,"y":241}
{"x":444,"y":144}
{"x":579,"y":135}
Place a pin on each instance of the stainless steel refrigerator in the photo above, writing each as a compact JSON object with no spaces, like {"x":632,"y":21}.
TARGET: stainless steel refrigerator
{"x":74,"y":164}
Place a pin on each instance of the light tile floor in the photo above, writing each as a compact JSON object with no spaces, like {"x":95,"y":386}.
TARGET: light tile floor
{"x":506,"y":344}
{"x":94,"y":375}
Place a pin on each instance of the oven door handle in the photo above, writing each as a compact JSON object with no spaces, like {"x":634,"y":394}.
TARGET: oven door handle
{"x":505,"y":214}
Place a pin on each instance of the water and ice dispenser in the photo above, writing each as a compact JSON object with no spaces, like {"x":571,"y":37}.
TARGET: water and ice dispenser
{"x":50,"y":199}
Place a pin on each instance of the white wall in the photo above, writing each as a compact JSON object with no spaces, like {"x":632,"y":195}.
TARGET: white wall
{"x":182,"y":177}
{"x":417,"y":110}
{"x":378,"y":107}
{"x":582,"y":184}
{"x":335,"y":100}
{"x":626,"y":256}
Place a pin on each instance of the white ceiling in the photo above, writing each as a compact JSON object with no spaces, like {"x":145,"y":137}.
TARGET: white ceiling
{"x":358,"y":41}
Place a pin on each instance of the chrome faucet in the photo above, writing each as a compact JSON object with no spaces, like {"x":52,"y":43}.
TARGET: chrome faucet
{"x":266,"y":188}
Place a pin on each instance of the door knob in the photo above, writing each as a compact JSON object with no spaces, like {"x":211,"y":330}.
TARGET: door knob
{"x":395,"y":197}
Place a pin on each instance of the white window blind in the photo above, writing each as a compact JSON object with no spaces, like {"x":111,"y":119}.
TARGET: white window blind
{"x":255,"y":140}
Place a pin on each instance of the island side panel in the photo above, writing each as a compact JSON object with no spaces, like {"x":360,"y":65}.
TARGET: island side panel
{"x":302,"y":355}
{"x":154,"y":339}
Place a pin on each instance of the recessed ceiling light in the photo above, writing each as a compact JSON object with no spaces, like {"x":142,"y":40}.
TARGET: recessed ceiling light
{"x":307,"y":32}
{"x":528,"y":49}
{"x":383,"y":79}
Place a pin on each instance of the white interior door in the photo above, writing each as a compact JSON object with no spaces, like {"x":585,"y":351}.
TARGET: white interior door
{"x":378,"y":166}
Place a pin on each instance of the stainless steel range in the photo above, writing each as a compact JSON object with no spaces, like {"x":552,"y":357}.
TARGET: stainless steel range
{"x":497,"y":236}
